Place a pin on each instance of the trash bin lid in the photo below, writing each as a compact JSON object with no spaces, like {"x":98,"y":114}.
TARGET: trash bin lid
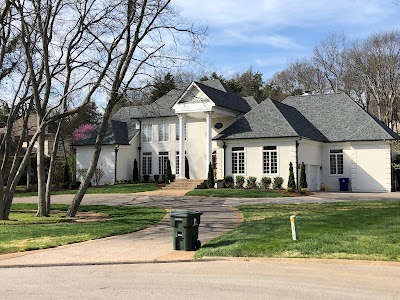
{"x":184,"y":213}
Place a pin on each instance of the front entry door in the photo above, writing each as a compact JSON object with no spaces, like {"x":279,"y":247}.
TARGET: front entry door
{"x":162,"y":162}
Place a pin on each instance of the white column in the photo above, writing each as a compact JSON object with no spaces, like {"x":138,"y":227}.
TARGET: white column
{"x":182,"y":118}
{"x":208,"y":140}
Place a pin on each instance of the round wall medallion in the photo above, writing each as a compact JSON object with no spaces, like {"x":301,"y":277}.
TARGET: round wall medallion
{"x":218,"y":125}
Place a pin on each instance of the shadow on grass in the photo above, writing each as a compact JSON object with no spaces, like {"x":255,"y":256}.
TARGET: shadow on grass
{"x":219,"y":244}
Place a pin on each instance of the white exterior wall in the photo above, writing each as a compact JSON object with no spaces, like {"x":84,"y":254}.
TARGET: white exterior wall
{"x":310,"y":153}
{"x":106,"y":161}
{"x":126,"y":156}
{"x":367,"y":164}
{"x":195,"y":145}
{"x":254,"y":157}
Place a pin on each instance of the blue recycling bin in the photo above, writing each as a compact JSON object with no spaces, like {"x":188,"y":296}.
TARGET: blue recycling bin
{"x":344,"y":184}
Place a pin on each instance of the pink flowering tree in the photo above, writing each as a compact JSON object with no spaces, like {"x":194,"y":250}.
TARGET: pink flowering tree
{"x":82,"y":131}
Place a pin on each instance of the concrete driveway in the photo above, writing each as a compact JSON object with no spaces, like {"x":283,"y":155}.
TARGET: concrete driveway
{"x":155,"y":243}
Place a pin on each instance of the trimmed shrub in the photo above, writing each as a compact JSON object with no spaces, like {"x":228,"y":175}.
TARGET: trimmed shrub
{"x":187,"y":168}
{"x":291,"y":186}
{"x":303,"y":178}
{"x":278,"y":181}
{"x":228,"y":181}
{"x":168,"y":175}
{"x":67,"y":177}
{"x":239,"y":181}
{"x":156,"y":178}
{"x":146,"y":178}
{"x":210,"y":178}
{"x":266,"y":182}
{"x":135,"y":171}
{"x":251,"y":182}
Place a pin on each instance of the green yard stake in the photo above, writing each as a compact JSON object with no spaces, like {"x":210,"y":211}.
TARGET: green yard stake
{"x":295,"y":234}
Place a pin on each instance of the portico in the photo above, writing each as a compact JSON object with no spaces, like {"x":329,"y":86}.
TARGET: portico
{"x":194,"y":103}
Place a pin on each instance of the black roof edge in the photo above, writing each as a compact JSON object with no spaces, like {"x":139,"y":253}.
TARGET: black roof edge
{"x":259,"y":138}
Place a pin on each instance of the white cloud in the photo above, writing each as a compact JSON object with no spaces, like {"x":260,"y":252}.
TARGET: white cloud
{"x":274,"y":40}
{"x":272,"y":13}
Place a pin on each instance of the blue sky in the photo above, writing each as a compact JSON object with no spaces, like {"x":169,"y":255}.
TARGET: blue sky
{"x":266,"y":34}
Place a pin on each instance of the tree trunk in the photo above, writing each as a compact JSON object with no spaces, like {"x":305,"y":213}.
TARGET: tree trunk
{"x":76,"y":202}
{"x":2,"y":203}
{"x":53,"y":158}
{"x":41,"y":176}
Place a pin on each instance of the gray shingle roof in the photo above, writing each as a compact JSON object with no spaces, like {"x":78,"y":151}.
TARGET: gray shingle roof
{"x":228,"y":99}
{"x":270,"y":120}
{"x":162,"y":107}
{"x":339,"y":118}
{"x":251,"y":101}
{"x":116,"y":134}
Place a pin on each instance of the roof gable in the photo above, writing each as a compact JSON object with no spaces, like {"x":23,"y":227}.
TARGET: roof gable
{"x":264,"y":121}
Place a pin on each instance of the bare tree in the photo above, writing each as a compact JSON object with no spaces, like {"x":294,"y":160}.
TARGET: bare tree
{"x":376,"y":64}
{"x":136,"y":44}
{"x":328,"y":57}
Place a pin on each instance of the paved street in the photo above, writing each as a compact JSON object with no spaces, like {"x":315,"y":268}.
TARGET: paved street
{"x":143,"y":264}
{"x":204,"y":280}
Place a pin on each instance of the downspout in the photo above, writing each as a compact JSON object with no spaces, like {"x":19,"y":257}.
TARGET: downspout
{"x":139,"y":149}
{"x":116,"y":163}
{"x":224,"y":147}
{"x":297,"y":164}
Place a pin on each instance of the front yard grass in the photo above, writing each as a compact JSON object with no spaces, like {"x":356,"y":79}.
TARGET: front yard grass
{"x":239,"y":193}
{"x":110,"y":189}
{"x":25,"y":232}
{"x":345,"y":230}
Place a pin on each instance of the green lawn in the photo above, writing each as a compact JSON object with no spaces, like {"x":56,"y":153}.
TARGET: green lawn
{"x":25,"y":232}
{"x":238,"y":193}
{"x":346,"y":230}
{"x":111,"y":189}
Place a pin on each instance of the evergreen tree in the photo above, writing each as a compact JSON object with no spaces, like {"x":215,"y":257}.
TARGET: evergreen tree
{"x":187,"y":168}
{"x":168,"y":175}
{"x":66,"y":174}
{"x":291,"y":182}
{"x":162,"y":86}
{"x":135,"y":177}
{"x":303,"y":178}
{"x":210,"y":179}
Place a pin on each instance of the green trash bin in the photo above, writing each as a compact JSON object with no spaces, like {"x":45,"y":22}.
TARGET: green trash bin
{"x":186,"y":229}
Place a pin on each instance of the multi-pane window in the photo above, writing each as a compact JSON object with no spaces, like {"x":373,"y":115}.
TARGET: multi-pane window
{"x":162,"y":162}
{"x":163,"y":132}
{"x":147,"y":133}
{"x":238,"y":160}
{"x":336,"y":162}
{"x":270,"y":160}
{"x":177,"y":162}
{"x":146,"y":163}
{"x":177,"y":131}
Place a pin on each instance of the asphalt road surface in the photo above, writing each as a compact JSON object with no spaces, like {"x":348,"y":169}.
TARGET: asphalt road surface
{"x":235,"y":279}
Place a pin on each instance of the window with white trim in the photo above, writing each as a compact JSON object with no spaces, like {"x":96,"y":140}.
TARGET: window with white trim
{"x":336,"y":162}
{"x":146,"y":163}
{"x":147,"y":133}
{"x":177,"y":131}
{"x":238,"y":160}
{"x":163,"y":132}
{"x":162,"y":162}
{"x":270,"y":160}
